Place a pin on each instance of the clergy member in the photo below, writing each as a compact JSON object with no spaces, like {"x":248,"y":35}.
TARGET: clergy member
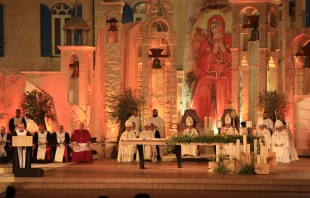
{"x":5,"y":145}
{"x":293,"y":151}
{"x":134,"y":129}
{"x":81,"y":140}
{"x":149,"y":151}
{"x":16,"y":120}
{"x":136,"y":119}
{"x":228,"y":129}
{"x":158,"y":123}
{"x":156,"y":135}
{"x":61,"y":141}
{"x":126,"y":151}
{"x":42,"y":140}
{"x":263,"y":133}
{"x":280,"y":143}
{"x":189,"y":149}
{"x":21,"y":155}
{"x":267,"y":122}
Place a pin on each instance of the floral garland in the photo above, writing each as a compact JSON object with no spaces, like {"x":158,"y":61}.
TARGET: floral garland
{"x":173,"y":140}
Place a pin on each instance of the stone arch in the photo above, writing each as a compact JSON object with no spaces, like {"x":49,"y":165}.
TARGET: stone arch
{"x":148,"y":24}
{"x":242,"y":10}
{"x":55,"y":2}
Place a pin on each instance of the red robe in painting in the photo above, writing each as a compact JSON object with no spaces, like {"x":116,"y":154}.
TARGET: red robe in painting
{"x":212,"y":92}
{"x":83,"y":136}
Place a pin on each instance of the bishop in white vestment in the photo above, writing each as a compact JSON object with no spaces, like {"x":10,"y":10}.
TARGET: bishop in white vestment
{"x":267,"y":122}
{"x":280,"y":143}
{"x":149,"y":151}
{"x":189,"y":149}
{"x":126,"y":152}
{"x":263,"y":133}
{"x":228,"y":129}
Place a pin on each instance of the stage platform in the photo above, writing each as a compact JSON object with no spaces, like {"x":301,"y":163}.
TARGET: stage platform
{"x":107,"y":175}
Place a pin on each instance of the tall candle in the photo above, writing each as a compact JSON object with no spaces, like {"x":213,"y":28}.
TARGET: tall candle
{"x":248,"y":148}
{"x":244,"y":143}
{"x":255,"y":146}
{"x":258,"y":159}
{"x":238,"y":148}
{"x":267,"y":144}
{"x":209,"y":122}
{"x":205,"y":123}
{"x":230,"y":152}
{"x":219,"y":124}
{"x":262,"y":153}
{"x":217,"y":151}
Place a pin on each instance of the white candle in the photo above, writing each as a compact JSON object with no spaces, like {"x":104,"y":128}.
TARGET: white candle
{"x":244,"y":143}
{"x":255,"y":146}
{"x":217,"y":151}
{"x":272,"y":148}
{"x":238,"y":148}
{"x":205,"y":123}
{"x":248,"y":148}
{"x":258,"y":159}
{"x":209,"y":122}
{"x":230,"y":148}
{"x":267,"y":144}
{"x":219,"y":124}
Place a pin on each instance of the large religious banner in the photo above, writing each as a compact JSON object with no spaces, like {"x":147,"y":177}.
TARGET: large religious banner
{"x":207,"y":61}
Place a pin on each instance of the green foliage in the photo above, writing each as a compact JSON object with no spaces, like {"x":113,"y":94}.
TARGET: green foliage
{"x":39,"y":105}
{"x":272,"y":101}
{"x":122,"y":104}
{"x":247,"y":167}
{"x":180,"y":138}
{"x":221,"y":167}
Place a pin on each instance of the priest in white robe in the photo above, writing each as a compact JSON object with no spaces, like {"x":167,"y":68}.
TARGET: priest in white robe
{"x":21,"y":155}
{"x":42,"y":140}
{"x":280,"y":143}
{"x":136,"y":119}
{"x":267,"y":122}
{"x":189,"y":149}
{"x":263,"y":133}
{"x":149,"y":151}
{"x":134,"y":129}
{"x":61,"y":141}
{"x":228,"y":129}
{"x":293,"y":151}
{"x":126,"y":151}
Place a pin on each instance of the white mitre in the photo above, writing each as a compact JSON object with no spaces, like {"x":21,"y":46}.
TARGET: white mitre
{"x":227,"y":119}
{"x":128,"y":123}
{"x":189,"y":121}
{"x":278,"y":124}
{"x":260,"y":122}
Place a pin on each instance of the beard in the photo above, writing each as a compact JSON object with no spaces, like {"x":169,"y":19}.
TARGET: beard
{"x":155,"y":115}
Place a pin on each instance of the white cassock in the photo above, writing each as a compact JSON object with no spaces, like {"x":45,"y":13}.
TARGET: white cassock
{"x":149,"y":151}
{"x":281,"y":145}
{"x":266,"y":134}
{"x":159,"y":123}
{"x":60,"y":150}
{"x":293,"y":152}
{"x":42,"y":147}
{"x":21,"y":151}
{"x":126,"y":151}
{"x":189,"y":149}
{"x":137,"y":121}
{"x":269,"y":124}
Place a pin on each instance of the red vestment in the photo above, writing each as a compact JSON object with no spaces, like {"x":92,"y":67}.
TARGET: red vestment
{"x":213,"y":88}
{"x":83,"y":136}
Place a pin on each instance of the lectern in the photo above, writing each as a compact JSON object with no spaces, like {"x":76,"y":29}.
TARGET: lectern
{"x":24,"y":142}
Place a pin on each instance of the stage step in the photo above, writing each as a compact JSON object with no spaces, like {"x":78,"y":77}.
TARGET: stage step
{"x":185,"y":184}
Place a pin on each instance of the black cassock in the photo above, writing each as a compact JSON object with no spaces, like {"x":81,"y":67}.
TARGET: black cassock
{"x":12,"y":126}
{"x":15,"y":154}
{"x":35,"y":142}
{"x":55,"y":142}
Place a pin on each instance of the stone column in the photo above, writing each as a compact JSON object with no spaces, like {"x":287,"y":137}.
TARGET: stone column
{"x":235,"y":80}
{"x":72,"y":37}
{"x":262,"y":69}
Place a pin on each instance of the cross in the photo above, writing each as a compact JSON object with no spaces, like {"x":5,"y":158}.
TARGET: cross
{"x":159,"y":5}
{"x":75,"y":5}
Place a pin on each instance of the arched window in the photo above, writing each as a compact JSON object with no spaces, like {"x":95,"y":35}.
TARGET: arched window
{"x":139,"y":11}
{"x":61,"y":13}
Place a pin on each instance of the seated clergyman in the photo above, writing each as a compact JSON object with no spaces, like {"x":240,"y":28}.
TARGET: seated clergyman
{"x":280,"y":143}
{"x":148,"y":150}
{"x":126,"y":152}
{"x":189,"y":149}
{"x":228,"y":129}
